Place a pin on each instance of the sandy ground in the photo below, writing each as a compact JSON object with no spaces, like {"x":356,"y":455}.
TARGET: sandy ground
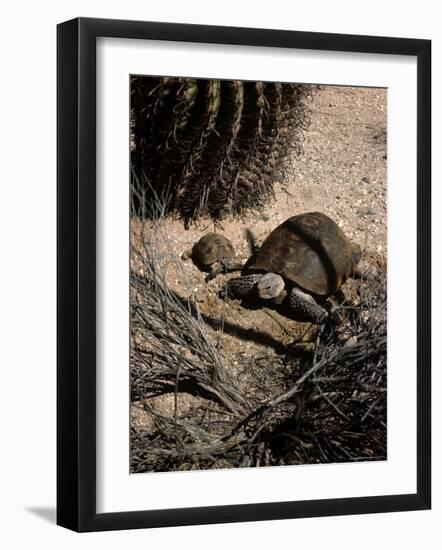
{"x":342,"y":172}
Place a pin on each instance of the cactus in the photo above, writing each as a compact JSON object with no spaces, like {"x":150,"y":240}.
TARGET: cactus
{"x":211,"y":147}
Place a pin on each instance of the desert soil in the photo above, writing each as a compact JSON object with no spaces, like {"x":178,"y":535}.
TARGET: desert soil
{"x":342,"y":173}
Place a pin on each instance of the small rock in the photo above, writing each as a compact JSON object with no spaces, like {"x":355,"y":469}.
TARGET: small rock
{"x":351,"y":341}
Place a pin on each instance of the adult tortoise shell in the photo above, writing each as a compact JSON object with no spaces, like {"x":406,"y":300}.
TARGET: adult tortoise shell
{"x":309,"y":250}
{"x":308,"y":256}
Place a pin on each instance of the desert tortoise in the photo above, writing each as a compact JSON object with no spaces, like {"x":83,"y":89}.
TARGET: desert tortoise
{"x":308,"y":258}
{"x":214,"y":253}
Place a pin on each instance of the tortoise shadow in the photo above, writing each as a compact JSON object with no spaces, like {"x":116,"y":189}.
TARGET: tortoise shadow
{"x":284,"y":309}
{"x":233,"y":329}
{"x":227,"y":327}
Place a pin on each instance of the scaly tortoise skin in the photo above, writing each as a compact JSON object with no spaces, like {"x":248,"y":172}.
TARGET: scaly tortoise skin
{"x":214,"y":253}
{"x":307,"y":257}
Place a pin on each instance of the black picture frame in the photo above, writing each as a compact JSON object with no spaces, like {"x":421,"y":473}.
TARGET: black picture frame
{"x":76,"y":272}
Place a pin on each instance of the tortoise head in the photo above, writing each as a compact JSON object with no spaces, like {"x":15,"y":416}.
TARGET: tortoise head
{"x":270,"y":286}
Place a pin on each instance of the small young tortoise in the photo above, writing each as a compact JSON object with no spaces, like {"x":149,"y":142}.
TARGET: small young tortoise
{"x":214,"y":253}
{"x":306,"y":258}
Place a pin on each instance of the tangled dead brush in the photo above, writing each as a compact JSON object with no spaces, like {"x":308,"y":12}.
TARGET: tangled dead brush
{"x":336,"y":409}
{"x":213,"y":147}
{"x":173,"y":354}
{"x":283,"y":409}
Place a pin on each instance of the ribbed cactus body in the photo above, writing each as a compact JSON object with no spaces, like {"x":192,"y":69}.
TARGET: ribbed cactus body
{"x":212,"y":147}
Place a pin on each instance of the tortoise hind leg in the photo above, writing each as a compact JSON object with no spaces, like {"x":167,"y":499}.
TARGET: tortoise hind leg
{"x":305,"y":305}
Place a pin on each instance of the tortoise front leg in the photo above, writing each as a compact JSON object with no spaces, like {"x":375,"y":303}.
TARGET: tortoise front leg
{"x":305,"y":305}
{"x":223,"y":266}
{"x":215,"y":270}
{"x":232,"y":264}
{"x":239,"y":287}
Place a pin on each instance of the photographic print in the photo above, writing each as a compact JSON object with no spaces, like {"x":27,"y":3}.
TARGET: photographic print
{"x":222,"y":261}
{"x":258,"y":223}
